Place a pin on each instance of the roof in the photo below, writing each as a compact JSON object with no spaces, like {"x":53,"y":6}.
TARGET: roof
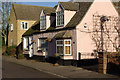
{"x":63,"y":35}
{"x":34,"y":28}
{"x":70,"y":5}
{"x":72,"y":23}
{"x":30,"y":12}
{"x":84,"y":6}
{"x":117,"y":6}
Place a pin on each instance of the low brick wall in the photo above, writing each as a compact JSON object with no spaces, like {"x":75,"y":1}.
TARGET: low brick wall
{"x":102,"y":62}
{"x":108,"y":62}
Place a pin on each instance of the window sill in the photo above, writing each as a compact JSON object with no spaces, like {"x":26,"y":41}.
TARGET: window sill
{"x":60,"y":25}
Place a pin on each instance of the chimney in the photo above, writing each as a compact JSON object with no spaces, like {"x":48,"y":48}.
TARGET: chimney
{"x":78,"y":6}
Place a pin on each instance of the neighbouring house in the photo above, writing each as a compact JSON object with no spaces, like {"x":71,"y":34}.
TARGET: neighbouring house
{"x":22,"y":17}
{"x":68,"y":31}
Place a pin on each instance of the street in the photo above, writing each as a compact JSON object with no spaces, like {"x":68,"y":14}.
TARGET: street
{"x":12,"y":70}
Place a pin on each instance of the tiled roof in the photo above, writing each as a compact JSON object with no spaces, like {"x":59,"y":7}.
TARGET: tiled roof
{"x":73,"y":22}
{"x":63,"y":35}
{"x":117,"y":6}
{"x":70,"y":5}
{"x":84,"y":6}
{"x":29,"y":12}
{"x":34,"y":28}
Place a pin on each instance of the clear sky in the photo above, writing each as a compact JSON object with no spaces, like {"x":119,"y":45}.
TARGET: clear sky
{"x":49,"y":4}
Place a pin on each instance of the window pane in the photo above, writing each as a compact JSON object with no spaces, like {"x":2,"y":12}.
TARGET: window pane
{"x":60,"y":49}
{"x":60,"y":17}
{"x":43,"y":22}
{"x":67,"y":42}
{"x":23,"y":25}
{"x":26,"y":24}
{"x":59,"y":42}
{"x":67,"y":49}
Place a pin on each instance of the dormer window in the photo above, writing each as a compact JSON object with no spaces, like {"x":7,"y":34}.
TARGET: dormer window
{"x":60,"y":18}
{"x":43,"y":22}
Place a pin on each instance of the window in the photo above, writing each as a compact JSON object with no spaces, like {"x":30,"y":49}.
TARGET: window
{"x":26,"y":43}
{"x":43,"y":22}
{"x":11,"y":27}
{"x":11,"y":42}
{"x":42,"y":44}
{"x":59,"y":47}
{"x":67,"y":46}
{"x":60,"y":18}
{"x":24,"y":25}
{"x":63,"y":47}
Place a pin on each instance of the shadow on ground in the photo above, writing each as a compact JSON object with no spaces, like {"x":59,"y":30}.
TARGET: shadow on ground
{"x":91,"y":64}
{"x":113,"y":69}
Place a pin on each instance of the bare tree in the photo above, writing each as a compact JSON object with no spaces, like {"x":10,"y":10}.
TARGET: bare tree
{"x":5,"y":15}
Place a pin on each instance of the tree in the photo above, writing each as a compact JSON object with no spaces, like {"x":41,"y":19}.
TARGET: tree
{"x":5,"y":16}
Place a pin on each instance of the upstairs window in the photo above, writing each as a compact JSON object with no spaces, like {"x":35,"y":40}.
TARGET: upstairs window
{"x":24,"y":25}
{"x":60,"y":18}
{"x":11,"y":27}
{"x":43,"y":22}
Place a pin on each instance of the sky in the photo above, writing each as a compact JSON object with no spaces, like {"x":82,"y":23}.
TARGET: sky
{"x":49,"y":4}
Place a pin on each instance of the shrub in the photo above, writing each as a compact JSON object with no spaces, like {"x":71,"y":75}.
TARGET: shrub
{"x":11,"y":50}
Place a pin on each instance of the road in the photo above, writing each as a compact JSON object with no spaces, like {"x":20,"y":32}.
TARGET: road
{"x":12,"y":70}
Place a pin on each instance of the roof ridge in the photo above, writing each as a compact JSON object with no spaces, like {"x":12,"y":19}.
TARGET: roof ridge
{"x":32,"y":5}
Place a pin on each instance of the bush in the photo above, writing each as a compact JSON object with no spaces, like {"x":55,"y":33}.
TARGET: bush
{"x":11,"y":50}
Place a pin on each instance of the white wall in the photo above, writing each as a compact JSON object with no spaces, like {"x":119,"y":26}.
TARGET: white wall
{"x":85,"y":43}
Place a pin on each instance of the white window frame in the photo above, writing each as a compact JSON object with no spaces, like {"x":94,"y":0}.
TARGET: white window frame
{"x":61,"y":16}
{"x":43,"y":23}
{"x":11,"y":27}
{"x":24,"y":25}
{"x":60,"y":45}
{"x":64,"y":46}
{"x":67,"y":45}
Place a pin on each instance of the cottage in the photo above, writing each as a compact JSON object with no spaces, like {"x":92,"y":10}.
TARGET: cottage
{"x":22,"y":17}
{"x":68,"y":30}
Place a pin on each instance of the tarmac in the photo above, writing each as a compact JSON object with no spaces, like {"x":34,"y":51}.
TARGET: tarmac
{"x":60,"y":71}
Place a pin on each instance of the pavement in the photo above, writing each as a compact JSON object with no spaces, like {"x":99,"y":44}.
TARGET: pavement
{"x":60,"y":71}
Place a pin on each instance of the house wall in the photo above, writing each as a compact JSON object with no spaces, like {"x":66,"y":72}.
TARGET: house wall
{"x":12,"y":35}
{"x":52,"y":44}
{"x":85,"y":44}
{"x":48,"y":21}
{"x":67,"y":16}
{"x":20,"y":31}
{"x":17,"y":32}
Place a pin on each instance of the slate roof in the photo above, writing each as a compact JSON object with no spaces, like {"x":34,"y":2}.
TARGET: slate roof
{"x":70,"y":5}
{"x":84,"y":6}
{"x":30,"y":12}
{"x":63,"y":35}
{"x":34,"y":28}
{"x":117,"y":6}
